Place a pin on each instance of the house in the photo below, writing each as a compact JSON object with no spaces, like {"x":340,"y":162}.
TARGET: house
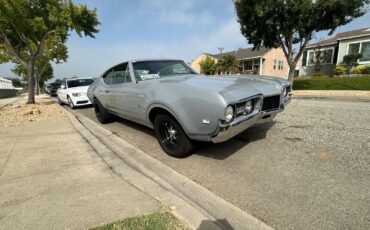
{"x":331,"y":52}
{"x":270,"y":62}
{"x":6,"y":88}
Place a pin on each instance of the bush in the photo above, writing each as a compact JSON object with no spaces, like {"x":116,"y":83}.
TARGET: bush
{"x":340,"y":70}
{"x":366,"y":69}
{"x":359,"y":70}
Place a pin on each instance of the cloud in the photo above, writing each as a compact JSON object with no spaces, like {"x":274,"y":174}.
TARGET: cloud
{"x":88,"y":61}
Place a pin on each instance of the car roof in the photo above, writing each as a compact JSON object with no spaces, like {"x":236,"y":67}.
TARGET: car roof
{"x":159,"y":59}
{"x":79,"y":78}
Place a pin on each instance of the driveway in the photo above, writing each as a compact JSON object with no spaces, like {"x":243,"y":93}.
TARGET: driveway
{"x":309,"y":169}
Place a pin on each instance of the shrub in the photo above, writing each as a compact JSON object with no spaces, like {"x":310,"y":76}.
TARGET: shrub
{"x":340,"y":70}
{"x":366,"y":69}
{"x":359,"y":70}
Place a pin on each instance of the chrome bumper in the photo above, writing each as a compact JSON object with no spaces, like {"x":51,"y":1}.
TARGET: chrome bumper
{"x":228,"y":131}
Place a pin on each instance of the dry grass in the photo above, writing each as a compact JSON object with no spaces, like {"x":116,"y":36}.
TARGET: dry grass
{"x":19,"y":112}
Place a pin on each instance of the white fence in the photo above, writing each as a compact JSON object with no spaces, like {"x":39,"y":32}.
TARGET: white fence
{"x":6,"y":84}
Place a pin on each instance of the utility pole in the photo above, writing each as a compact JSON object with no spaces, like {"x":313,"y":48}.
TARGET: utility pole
{"x":220,"y":49}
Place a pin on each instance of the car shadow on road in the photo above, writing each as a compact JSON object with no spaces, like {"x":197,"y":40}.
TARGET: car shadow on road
{"x":223,"y":150}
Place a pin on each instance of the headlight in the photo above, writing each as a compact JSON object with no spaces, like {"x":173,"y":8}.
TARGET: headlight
{"x":229,"y":114}
{"x":76,"y":94}
{"x":285,"y":92}
{"x":248,"y":107}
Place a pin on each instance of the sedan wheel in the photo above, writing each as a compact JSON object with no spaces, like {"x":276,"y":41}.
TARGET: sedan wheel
{"x":70,"y":103}
{"x":60,"y":101}
{"x":172,"y":137}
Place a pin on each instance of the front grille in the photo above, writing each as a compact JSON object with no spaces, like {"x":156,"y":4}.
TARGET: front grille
{"x":82,"y":102}
{"x":271,"y":103}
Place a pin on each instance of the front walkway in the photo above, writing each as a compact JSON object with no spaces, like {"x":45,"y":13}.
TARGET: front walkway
{"x":50,"y":178}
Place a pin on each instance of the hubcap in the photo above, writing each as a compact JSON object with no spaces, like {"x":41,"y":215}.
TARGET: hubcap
{"x":168,"y":134}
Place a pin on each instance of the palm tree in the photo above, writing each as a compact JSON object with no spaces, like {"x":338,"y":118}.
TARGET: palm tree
{"x":229,"y":64}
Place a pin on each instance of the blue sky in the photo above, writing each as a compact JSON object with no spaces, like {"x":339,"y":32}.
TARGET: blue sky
{"x":156,"y":29}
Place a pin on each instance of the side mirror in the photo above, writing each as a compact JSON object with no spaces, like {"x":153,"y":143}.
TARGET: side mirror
{"x":62,"y":86}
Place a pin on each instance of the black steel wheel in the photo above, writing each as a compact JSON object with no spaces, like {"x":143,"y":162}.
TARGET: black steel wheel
{"x":101,"y":113}
{"x":172,"y":137}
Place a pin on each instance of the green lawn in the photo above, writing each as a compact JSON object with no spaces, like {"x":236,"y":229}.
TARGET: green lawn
{"x":156,"y":221}
{"x":330,"y":83}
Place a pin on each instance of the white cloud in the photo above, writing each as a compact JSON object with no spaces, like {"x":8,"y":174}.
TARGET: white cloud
{"x":85,"y":61}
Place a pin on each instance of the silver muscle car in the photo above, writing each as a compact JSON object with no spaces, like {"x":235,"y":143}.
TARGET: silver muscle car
{"x":183,"y":106}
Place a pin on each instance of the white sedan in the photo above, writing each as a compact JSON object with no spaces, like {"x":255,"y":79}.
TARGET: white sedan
{"x":73,"y":92}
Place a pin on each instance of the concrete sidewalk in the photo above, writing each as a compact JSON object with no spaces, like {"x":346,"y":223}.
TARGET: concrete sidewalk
{"x":351,"y":94}
{"x":6,"y":101}
{"x":51,"y":178}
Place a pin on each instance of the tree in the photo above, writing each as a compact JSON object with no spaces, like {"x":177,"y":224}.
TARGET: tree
{"x":291,"y":24}
{"x":30,"y":29}
{"x":208,"y":66}
{"x":351,"y":61}
{"x":229,"y":64}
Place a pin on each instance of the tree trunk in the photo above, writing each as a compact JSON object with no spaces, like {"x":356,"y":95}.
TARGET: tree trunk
{"x":37,"y":85}
{"x":291,"y":72}
{"x":31,"y":82}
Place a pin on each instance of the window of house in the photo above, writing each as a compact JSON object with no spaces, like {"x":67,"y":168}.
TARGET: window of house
{"x":275,"y":63}
{"x":354,"y":48}
{"x":256,"y":64}
{"x":248,"y":65}
{"x":360,"y":47}
{"x":326,"y":56}
{"x":281,"y":65}
{"x":365,"y":51}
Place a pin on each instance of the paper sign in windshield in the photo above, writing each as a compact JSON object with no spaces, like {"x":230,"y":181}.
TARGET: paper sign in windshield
{"x":149,"y":76}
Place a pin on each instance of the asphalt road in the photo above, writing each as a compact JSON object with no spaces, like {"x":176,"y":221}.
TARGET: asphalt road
{"x":309,"y":169}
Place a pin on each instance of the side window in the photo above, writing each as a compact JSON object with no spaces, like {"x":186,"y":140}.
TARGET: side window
{"x":107,"y":78}
{"x":118,"y":76}
{"x":127,"y":74}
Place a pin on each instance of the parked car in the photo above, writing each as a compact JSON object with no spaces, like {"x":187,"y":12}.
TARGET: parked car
{"x":53,"y":88}
{"x":183,"y":106}
{"x":47,"y":88}
{"x":73,"y":92}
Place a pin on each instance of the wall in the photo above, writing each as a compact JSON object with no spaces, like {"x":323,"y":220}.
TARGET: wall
{"x":6,"y":88}
{"x":268,"y":64}
{"x":343,"y":46}
{"x":195,"y":62}
{"x":326,"y":69}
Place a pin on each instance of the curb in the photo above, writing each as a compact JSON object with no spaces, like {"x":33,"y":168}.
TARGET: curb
{"x":336,"y":98}
{"x":190,"y":202}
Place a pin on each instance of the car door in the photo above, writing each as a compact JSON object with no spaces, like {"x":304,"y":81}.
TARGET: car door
{"x":62,"y":92}
{"x":121,"y":91}
{"x":103,"y":92}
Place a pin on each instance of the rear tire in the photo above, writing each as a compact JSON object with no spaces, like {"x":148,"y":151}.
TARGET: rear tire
{"x":172,"y":137}
{"x":101,"y":113}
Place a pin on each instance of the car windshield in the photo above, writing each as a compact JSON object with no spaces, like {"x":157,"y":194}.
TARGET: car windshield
{"x":79,"y":82}
{"x":147,"y":70}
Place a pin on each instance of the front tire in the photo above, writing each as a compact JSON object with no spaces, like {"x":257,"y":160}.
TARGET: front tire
{"x":70,"y":103}
{"x":172,"y":137}
{"x":101,"y":113}
{"x":60,"y":101}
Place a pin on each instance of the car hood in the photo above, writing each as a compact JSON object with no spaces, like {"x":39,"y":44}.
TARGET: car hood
{"x":80,"y":89}
{"x":232,"y":87}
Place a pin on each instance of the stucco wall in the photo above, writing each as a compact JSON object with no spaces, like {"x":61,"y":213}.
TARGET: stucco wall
{"x":6,"y":88}
{"x":268,"y":64}
{"x":195,"y":62}
{"x":343,"y":46}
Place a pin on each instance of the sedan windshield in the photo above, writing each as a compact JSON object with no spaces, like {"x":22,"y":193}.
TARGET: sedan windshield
{"x":79,"y":82}
{"x":147,"y":70}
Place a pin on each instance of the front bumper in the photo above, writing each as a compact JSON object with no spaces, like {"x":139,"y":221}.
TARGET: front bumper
{"x":228,"y":131}
{"x":81,"y":100}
